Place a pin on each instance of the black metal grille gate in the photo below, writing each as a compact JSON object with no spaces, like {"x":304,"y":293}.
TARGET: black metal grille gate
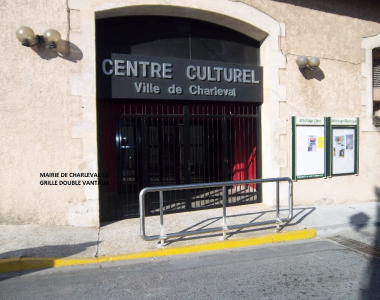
{"x":155,"y":144}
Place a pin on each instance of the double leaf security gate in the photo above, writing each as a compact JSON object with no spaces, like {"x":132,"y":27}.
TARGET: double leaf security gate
{"x":156,"y":144}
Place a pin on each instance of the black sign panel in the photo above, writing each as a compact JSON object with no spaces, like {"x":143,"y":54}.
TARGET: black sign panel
{"x":146,"y":77}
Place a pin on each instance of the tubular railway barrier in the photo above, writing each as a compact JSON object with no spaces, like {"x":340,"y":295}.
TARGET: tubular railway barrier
{"x":224,"y":227}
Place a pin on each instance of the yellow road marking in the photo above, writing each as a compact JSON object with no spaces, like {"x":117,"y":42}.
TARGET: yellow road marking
{"x":33,"y":263}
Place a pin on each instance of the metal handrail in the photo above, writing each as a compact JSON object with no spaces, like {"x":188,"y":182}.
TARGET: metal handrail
{"x":224,"y":228}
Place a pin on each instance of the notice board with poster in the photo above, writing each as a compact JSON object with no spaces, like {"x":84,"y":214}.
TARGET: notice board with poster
{"x":309,"y":149}
{"x":344,"y":146}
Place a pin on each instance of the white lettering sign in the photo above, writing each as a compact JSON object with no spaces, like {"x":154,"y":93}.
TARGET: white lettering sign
{"x":146,"y":69}
{"x":344,"y":121}
{"x":310,"y":121}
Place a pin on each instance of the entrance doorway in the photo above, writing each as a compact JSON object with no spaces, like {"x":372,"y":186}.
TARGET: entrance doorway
{"x":143,"y":144}
{"x":157,"y":144}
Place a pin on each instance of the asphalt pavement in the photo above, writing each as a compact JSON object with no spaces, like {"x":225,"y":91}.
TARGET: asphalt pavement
{"x":307,"y":269}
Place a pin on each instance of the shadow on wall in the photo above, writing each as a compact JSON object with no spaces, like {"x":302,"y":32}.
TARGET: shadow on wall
{"x":313,"y":74}
{"x":349,"y":8}
{"x":65,"y":50}
{"x":373,"y":288}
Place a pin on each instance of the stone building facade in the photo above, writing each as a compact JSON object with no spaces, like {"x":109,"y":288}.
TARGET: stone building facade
{"x":49,"y":113}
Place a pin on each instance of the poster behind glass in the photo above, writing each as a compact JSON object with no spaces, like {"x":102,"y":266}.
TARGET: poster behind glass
{"x":310,"y":151}
{"x":343,"y":151}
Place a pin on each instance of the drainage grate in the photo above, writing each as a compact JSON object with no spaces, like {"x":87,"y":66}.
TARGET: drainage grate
{"x":356,"y":246}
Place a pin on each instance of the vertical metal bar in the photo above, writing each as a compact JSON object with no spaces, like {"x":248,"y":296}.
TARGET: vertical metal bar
{"x":119,"y":172}
{"x":186,"y":154}
{"x":177,"y":150}
{"x":142,"y":213}
{"x":235,"y":155}
{"x":225,"y":147}
{"x":231,"y":148}
{"x":191,"y":148}
{"x":192,"y":139}
{"x":278,"y":220}
{"x":196,"y":148}
{"x":213,"y":142}
{"x":182,"y":133}
{"x":170,"y":153}
{"x":135,"y":184}
{"x":253,"y":135}
{"x":251,"y":155}
{"x":216,"y":143}
{"x":241,"y":152}
{"x":123,"y":150}
{"x":170,"y":135}
{"x":152,"y":150}
{"x":159,"y":147}
{"x":258,"y":152}
{"x":199,"y":149}
{"x":225,"y":228}
{"x":174,"y":149}
{"x":245,"y":150}
{"x":204,"y":149}
{"x":145,"y":153}
{"x":162,"y":226}
{"x":128,"y":149}
{"x":208,"y":151}
{"x":163,"y":147}
{"x":277,"y":199}
{"x":290,"y":198}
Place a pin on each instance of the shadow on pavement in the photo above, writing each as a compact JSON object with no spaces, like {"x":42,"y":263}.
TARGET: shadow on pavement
{"x":49,"y":251}
{"x":56,"y":251}
{"x":299,"y":215}
{"x":373,"y":289}
{"x":359,"y":221}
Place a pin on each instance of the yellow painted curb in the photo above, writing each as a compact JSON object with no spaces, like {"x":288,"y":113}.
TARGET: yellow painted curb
{"x":33,"y":263}
{"x":9,"y":265}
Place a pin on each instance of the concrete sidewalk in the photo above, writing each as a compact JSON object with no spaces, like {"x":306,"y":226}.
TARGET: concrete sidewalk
{"x":122,"y":237}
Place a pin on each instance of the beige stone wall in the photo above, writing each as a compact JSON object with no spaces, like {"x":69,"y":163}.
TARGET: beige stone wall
{"x":41,"y":111}
{"x":336,"y":90}
{"x":48,"y":112}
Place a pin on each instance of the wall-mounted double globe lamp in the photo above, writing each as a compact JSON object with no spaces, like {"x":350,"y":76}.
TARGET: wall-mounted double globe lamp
{"x":305,"y":62}
{"x":27,"y":37}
